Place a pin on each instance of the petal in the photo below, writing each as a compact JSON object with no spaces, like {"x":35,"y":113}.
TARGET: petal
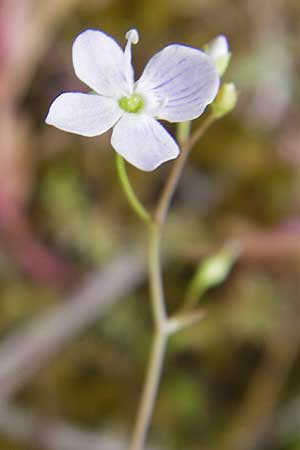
{"x":178,"y":83}
{"x":85,"y":114}
{"x":99,"y":62}
{"x":143,"y":142}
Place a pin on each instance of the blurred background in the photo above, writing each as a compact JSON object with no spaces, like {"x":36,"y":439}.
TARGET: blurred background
{"x":75,"y":323}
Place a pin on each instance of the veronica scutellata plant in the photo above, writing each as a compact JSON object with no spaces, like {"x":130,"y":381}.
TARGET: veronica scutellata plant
{"x":177,"y":85}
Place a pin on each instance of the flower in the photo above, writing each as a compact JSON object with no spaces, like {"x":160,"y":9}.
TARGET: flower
{"x":218,"y":49}
{"x":177,"y":84}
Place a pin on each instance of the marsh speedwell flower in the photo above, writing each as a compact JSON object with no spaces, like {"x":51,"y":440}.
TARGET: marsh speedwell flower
{"x":177,"y":84}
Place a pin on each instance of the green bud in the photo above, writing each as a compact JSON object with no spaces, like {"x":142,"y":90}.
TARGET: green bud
{"x":215,"y":269}
{"x":211,"y":272}
{"x":218,"y":49}
{"x":225,"y":101}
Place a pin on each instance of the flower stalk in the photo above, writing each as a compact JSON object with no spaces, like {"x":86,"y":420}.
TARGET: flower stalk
{"x":172,"y":182}
{"x":155,"y":277}
{"x":150,"y":389}
{"x":164,"y":325}
{"x":134,"y":202}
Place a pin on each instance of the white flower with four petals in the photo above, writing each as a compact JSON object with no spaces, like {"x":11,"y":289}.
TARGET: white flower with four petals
{"x":177,"y":84}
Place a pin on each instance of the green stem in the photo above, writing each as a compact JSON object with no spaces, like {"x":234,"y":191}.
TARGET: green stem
{"x":163,"y":325}
{"x":193,"y":296}
{"x":155,"y":276}
{"x":186,"y":319}
{"x":136,"y":205}
{"x":150,"y":391}
{"x":183,"y":132}
{"x":149,"y":395}
{"x":172,"y":182}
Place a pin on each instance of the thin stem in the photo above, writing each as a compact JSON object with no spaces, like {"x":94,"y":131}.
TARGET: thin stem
{"x":136,"y":205}
{"x":150,"y":391}
{"x":198,"y":133}
{"x":193,"y":296}
{"x":183,"y":132}
{"x":164,"y":326}
{"x":149,"y":395}
{"x":155,"y":275}
{"x":186,"y":319}
{"x":169,"y":189}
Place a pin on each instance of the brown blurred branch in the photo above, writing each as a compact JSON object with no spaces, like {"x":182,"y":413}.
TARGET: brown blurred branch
{"x":23,"y":353}
{"x":271,"y":247}
{"x":54,"y":435}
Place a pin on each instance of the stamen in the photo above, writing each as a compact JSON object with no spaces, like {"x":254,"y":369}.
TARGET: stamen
{"x":132,"y":37}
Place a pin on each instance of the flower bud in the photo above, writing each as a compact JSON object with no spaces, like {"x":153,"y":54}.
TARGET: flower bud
{"x":212,"y":271}
{"x":216,"y":268}
{"x":225,"y":101}
{"x":218,"y":49}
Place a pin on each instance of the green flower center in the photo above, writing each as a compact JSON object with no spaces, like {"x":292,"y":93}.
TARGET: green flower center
{"x":132,"y":104}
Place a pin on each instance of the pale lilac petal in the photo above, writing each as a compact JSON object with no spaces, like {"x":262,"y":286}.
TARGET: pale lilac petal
{"x":143,"y":141}
{"x":85,"y":114}
{"x":99,"y":62}
{"x":178,"y":83}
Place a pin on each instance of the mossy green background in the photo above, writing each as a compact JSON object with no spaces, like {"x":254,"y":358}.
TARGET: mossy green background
{"x":242,"y":182}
